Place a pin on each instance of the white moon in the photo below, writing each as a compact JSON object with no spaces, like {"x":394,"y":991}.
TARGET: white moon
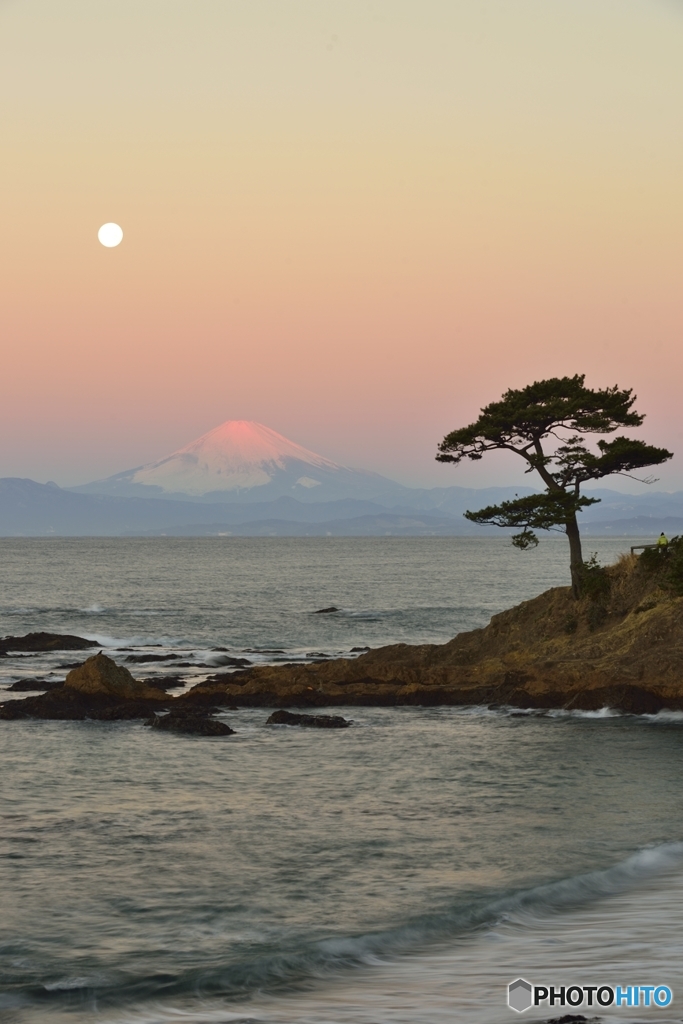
{"x":110,"y":235}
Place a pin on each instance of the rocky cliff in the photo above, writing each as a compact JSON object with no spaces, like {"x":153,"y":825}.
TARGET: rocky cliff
{"x":620,"y":646}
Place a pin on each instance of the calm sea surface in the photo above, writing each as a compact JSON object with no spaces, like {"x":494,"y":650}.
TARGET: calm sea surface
{"x":401,"y":871}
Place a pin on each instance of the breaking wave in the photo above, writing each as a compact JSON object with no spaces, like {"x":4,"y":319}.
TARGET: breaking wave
{"x":259,"y":965}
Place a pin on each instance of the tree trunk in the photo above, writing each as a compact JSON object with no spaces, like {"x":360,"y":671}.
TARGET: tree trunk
{"x":575,"y":555}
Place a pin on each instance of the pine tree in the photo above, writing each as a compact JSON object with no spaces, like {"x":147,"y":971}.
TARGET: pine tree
{"x":546,"y":424}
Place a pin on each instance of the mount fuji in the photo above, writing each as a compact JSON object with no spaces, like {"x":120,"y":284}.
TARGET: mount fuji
{"x":244,"y":461}
{"x":244,"y":479}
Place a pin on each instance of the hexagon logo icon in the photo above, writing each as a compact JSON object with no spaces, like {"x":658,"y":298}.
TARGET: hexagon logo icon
{"x":519,"y":995}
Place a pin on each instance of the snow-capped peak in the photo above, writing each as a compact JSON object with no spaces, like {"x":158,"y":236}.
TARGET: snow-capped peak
{"x":237,"y":454}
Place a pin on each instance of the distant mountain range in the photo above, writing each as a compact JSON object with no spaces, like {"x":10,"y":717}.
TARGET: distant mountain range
{"x":243,"y":479}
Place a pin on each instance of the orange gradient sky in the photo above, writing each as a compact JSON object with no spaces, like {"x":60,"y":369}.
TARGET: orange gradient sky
{"x":356,"y":221}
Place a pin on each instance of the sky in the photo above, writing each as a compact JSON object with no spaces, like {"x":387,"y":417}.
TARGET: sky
{"x":355,"y":221}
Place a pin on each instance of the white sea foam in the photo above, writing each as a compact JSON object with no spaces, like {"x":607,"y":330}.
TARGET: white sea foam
{"x":617,"y":926}
{"x":68,"y":984}
{"x":578,"y":713}
{"x":665,"y":718}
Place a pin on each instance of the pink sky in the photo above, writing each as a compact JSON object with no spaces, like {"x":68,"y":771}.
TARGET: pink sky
{"x":356,"y":222}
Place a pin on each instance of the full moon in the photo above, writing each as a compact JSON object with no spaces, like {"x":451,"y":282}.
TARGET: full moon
{"x":110,"y":235}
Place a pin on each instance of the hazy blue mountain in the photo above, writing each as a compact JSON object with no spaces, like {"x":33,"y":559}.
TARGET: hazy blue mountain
{"x":28,"y":508}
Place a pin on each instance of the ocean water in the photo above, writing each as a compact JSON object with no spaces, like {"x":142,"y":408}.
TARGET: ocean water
{"x":402,"y":870}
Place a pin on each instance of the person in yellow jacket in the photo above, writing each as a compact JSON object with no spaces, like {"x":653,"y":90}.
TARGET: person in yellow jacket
{"x":662,"y":543}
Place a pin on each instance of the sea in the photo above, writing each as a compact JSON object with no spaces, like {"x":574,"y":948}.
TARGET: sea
{"x":405,"y":870}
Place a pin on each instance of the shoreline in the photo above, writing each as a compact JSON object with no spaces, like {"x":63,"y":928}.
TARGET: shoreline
{"x":619,"y":647}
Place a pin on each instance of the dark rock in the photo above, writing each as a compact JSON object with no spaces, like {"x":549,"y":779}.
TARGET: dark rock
{"x":66,"y":709}
{"x":190,"y":723}
{"x":312,"y":721}
{"x":237,"y":678}
{"x":45,"y":642}
{"x":573,"y":1018}
{"x":141,"y":659}
{"x":326,"y":611}
{"x":182,"y":710}
{"x":68,"y":705}
{"x":228,"y":661}
{"x":359,"y":650}
{"x":197,"y":701}
{"x":125,"y":712}
{"x":32,"y":685}
{"x":166,"y":682}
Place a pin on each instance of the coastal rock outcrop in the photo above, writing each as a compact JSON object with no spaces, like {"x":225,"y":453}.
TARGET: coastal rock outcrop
{"x":190,"y":723}
{"x":166,"y":682}
{"x":620,"y":647}
{"x":101,"y":675}
{"x":68,"y":705}
{"x":310,"y":721}
{"x":38,"y":642}
{"x":33,"y":685}
{"x":99,"y":689}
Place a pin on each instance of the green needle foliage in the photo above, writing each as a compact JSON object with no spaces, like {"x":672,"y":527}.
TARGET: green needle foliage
{"x":667,"y":564}
{"x":546,"y":424}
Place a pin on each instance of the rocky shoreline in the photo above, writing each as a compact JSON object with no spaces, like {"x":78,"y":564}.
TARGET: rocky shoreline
{"x":620,"y":646}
